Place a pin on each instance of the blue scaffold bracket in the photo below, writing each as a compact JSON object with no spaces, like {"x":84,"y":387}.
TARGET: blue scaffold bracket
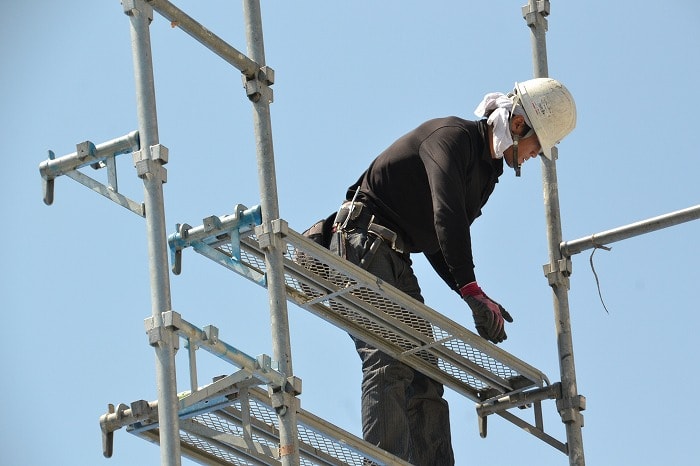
{"x":218,"y":238}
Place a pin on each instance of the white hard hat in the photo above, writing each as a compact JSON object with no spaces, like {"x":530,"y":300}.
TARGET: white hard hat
{"x":550,"y":108}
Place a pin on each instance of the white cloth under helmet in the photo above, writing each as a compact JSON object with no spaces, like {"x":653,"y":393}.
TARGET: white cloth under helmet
{"x":498,"y":107}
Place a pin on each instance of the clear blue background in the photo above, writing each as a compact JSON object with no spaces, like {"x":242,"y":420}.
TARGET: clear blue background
{"x":350,"y":78}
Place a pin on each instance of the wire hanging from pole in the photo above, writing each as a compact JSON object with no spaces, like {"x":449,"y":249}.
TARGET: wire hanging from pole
{"x":597,"y":281}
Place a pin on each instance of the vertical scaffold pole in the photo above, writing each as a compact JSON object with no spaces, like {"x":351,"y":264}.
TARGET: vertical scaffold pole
{"x":149,"y":161}
{"x":261,"y":96}
{"x":557,"y":271}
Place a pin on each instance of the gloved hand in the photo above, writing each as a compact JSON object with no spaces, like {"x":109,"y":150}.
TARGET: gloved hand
{"x":488,"y":314}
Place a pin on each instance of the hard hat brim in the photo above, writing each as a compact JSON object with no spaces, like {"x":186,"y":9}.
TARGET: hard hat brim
{"x":547,"y":152}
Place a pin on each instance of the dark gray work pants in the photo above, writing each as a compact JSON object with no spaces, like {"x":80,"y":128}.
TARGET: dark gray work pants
{"x":403,"y":411}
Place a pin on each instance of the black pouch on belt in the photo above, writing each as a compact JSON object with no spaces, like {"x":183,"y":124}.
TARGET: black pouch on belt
{"x":321,"y":232}
{"x":353,"y":215}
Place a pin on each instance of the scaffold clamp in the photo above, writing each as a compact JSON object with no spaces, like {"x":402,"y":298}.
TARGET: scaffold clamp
{"x":158,"y":334}
{"x":142,"y":6}
{"x":151,"y":162}
{"x":570,"y":409}
{"x":267,"y":236}
{"x":558,"y":272}
{"x":541,"y":11}
{"x":258,"y":86}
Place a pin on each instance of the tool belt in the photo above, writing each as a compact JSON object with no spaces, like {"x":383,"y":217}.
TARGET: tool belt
{"x":358,"y":215}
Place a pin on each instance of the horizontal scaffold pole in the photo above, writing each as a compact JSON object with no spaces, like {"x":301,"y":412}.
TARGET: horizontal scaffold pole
{"x":204,"y":36}
{"x":243,"y":219}
{"x":569,"y":248}
{"x":87,"y":154}
{"x":208,"y":339}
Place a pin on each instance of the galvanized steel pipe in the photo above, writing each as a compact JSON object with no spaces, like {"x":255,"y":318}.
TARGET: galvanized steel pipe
{"x":277,"y":296}
{"x":140,"y":16}
{"x":53,"y":168}
{"x":569,"y":248}
{"x":204,"y":36}
{"x":223,"y":350}
{"x":535,"y":14}
{"x":243,"y":220}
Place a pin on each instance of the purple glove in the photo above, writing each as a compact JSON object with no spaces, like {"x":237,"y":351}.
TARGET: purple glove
{"x":488,"y":314}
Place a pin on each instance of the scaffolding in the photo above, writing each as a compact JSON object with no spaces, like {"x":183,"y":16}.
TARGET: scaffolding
{"x":232,"y":420}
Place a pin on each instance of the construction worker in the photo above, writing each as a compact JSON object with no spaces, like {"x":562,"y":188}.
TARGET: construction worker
{"x":421,"y":195}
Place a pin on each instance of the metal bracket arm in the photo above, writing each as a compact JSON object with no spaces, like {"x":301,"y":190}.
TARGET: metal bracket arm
{"x":140,"y":411}
{"x":142,"y":415}
{"x":208,"y":340}
{"x":517,"y":400}
{"x":98,"y":157}
{"x":243,"y":220}
{"x":88,"y":153}
{"x":522,"y":400}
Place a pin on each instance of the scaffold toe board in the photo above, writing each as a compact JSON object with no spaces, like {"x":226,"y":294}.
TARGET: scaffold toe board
{"x":363,"y":305}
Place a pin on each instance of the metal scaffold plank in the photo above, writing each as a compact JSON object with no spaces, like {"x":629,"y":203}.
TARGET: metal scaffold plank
{"x":217,"y":437}
{"x":366,"y":307}
{"x":233,"y":422}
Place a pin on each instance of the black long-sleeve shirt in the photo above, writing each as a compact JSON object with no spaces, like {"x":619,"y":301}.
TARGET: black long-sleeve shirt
{"x":429,"y":186}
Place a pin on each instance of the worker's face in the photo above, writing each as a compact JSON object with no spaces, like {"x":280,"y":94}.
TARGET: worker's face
{"x":528,"y":148}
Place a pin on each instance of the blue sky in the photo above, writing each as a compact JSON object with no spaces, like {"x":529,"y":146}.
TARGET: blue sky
{"x":350,"y":78}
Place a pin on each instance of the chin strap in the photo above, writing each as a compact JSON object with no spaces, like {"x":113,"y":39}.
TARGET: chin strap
{"x":516,"y":137}
{"x":516,"y":164}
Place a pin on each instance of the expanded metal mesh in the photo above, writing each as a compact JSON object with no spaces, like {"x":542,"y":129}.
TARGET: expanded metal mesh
{"x":365,"y":311}
{"x":316,"y":448}
{"x":203,"y":444}
{"x":427,"y":336}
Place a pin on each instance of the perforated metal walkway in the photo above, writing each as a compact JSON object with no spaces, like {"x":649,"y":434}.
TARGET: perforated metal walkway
{"x":219,"y":437}
{"x":364,"y":306}
{"x":233,"y":422}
